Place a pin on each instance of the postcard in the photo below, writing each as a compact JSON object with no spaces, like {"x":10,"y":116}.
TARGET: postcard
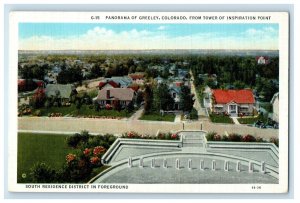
{"x":151,"y":102}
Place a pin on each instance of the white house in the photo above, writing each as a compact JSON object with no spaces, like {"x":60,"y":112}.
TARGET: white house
{"x":233,"y":102}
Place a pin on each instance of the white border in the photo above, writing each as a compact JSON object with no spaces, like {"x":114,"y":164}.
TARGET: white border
{"x":281,"y":18}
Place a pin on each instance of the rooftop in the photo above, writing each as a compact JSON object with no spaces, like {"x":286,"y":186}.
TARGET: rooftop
{"x":238,"y":96}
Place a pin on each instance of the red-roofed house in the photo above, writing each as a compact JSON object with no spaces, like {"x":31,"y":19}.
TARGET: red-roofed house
{"x":233,"y":102}
{"x":108,"y":84}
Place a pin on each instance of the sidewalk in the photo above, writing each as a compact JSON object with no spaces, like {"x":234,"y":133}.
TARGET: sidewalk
{"x":235,"y":120}
{"x":177,"y":118}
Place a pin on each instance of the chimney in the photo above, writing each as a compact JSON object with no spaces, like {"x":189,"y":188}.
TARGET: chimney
{"x":107,"y":94}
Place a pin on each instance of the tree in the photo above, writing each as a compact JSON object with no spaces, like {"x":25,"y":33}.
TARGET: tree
{"x":148,"y":98}
{"x":97,"y":71}
{"x":70,"y":75}
{"x":139,"y":98}
{"x":162,"y":99}
{"x":186,"y":99}
{"x":96,"y":106}
{"x":130,"y":107}
{"x":39,"y":98}
{"x":78,"y":104}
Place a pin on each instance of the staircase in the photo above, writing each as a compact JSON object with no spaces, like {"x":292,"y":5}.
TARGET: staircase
{"x":192,"y":139}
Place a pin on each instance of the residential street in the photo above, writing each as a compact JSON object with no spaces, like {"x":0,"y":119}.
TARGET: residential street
{"x":197,"y":106}
{"x":64,"y":124}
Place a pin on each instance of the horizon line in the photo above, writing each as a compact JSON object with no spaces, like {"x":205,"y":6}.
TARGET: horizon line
{"x":142,"y":49}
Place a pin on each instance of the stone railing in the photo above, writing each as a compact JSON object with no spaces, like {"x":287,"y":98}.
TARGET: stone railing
{"x":140,"y":142}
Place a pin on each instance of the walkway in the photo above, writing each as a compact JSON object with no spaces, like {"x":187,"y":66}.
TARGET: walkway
{"x":235,"y":120}
{"x":177,"y":118}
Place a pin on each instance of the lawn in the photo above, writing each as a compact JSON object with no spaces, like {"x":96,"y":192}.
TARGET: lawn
{"x":32,"y":148}
{"x":220,"y":118}
{"x":48,"y":148}
{"x":251,"y":120}
{"x":85,"y":110}
{"x":155,"y":116}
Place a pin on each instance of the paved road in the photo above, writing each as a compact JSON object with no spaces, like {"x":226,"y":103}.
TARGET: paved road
{"x":197,"y":105}
{"x":144,"y":127}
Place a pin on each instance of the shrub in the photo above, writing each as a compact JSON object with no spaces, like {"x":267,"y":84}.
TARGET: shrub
{"x":74,"y":140}
{"x":210,"y":136}
{"x":194,"y":114}
{"x":275,"y":141}
{"x":224,"y":138}
{"x":234,"y":137}
{"x":259,"y":139}
{"x":37,"y":113}
{"x":76,"y":171}
{"x":248,"y":138}
{"x":217,"y":137}
{"x":42,"y":173}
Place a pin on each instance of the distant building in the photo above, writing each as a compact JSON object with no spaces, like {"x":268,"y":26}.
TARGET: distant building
{"x":138,"y":78}
{"x":159,"y":80}
{"x":109,"y":96}
{"x":233,"y":102}
{"x":64,"y":92}
{"x":262,"y":60}
{"x":275,"y":104}
{"x":115,"y":82}
{"x":123,"y":81}
{"x":108,"y":84}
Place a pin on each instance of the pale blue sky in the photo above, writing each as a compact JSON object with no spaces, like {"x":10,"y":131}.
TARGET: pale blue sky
{"x":38,"y":36}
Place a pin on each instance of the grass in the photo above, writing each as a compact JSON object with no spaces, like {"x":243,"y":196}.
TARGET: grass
{"x":85,"y":110}
{"x":32,"y":148}
{"x":155,"y":116}
{"x":220,"y":118}
{"x":251,"y":120}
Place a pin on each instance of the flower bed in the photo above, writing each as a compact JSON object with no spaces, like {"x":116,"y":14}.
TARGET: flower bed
{"x":160,"y":136}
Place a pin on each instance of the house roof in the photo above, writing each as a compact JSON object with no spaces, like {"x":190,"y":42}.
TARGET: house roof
{"x":124,"y":81}
{"x":122,"y":94}
{"x":134,"y":87}
{"x":237,"y":96}
{"x":111,"y":82}
{"x":137,"y":76}
{"x":63,"y":90}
